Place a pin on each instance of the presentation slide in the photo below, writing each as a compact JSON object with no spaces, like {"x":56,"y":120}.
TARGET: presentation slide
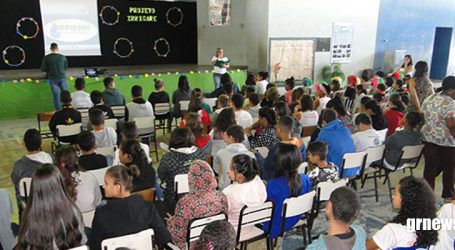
{"x":73,"y":25}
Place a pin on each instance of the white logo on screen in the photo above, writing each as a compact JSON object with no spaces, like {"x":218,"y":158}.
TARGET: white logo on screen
{"x":70,"y":30}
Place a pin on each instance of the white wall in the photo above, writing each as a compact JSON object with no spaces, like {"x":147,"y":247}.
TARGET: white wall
{"x":257,"y":17}
{"x":314,"y":18}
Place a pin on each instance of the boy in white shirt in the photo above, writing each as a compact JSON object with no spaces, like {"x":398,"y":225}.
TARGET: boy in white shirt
{"x":254,"y":105}
{"x":242,"y":117}
{"x":367,"y":137}
{"x":104,"y":136}
{"x":80,"y":98}
{"x":138,"y":107}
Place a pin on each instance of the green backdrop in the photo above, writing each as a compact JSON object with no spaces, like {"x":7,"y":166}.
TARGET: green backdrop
{"x":26,"y":98}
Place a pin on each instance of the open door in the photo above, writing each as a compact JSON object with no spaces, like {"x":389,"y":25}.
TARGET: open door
{"x":441,"y":51}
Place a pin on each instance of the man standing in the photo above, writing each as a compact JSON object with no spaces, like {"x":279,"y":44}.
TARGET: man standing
{"x":55,"y":66}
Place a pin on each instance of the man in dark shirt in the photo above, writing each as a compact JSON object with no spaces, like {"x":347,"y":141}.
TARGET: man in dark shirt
{"x":55,"y":66}
{"x":97,"y":99}
{"x":89,"y":160}
{"x":66,"y":116}
{"x":111,"y":95}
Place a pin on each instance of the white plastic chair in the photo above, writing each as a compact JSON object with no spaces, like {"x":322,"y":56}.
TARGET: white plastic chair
{"x":146,"y":129}
{"x":196,"y":226}
{"x":326,"y":188}
{"x":69,"y":130}
{"x":306,"y":140}
{"x":375,"y":154}
{"x":84,"y":115}
{"x":111,"y":123}
{"x":141,"y":240}
{"x":352,"y":165}
{"x":119,"y":111}
{"x":211,"y":101}
{"x":24,"y":187}
{"x":383,"y":133}
{"x":184,"y":104}
{"x":106,"y":151}
{"x":162,"y":108}
{"x":99,"y":174}
{"x":181,"y":184}
{"x":87,"y":217}
{"x":249,"y":218}
{"x":80,"y":248}
{"x":302,"y":168}
{"x":264,"y":151}
{"x":301,"y":205}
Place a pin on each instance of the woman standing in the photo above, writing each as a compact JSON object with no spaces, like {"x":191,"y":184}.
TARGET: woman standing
{"x":438,"y":134}
{"x":420,"y":87}
{"x":220,"y":65}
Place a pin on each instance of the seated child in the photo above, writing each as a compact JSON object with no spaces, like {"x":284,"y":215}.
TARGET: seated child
{"x":89,"y":159}
{"x":129,"y":131}
{"x":81,"y":99}
{"x":367,"y":137}
{"x":104,"y":136}
{"x":323,"y":170}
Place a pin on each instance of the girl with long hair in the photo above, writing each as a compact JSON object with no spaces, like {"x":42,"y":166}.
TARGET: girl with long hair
{"x":194,"y":123}
{"x":197,"y":105}
{"x":183,"y":92}
{"x":51,"y":220}
{"x":343,"y":114}
{"x":286,"y":183}
{"x":223,"y":121}
{"x":395,"y":113}
{"x":265,"y":135}
{"x":87,"y":189}
{"x":373,"y":109}
{"x":131,"y":154}
{"x":415,"y":199}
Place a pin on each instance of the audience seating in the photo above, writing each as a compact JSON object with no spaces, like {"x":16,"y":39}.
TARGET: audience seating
{"x":99,"y":174}
{"x":24,"y":187}
{"x":44,"y":117}
{"x":107,"y":151}
{"x":161,"y":110}
{"x":119,"y":111}
{"x":306,"y":141}
{"x":352,"y":167}
{"x":195,"y":226}
{"x":254,"y":217}
{"x":375,"y":157}
{"x":65,"y":131}
{"x":87,"y":217}
{"x":211,"y":101}
{"x":325,"y":189}
{"x":111,"y":123}
{"x":84,"y":115}
{"x":303,"y":168}
{"x":264,"y":151}
{"x":141,"y":240}
{"x":302,"y":205}
{"x":80,"y":248}
{"x":184,"y":105}
{"x":383,"y":134}
{"x":146,"y":130}
{"x":348,"y":103}
{"x":181,"y":184}
{"x":147,"y":194}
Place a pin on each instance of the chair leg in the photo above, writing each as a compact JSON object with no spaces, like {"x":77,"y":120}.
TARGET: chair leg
{"x":309,"y":235}
{"x":304,"y":236}
{"x":411,"y":172}
{"x":156,"y":147}
{"x":364,"y":179}
{"x":269,"y":243}
{"x":389,"y":186}
{"x":375,"y":187}
{"x":354,"y":184}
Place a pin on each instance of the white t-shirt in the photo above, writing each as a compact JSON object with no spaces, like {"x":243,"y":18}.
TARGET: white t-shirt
{"x":394,"y":235}
{"x":261,"y":87}
{"x":88,"y":191}
{"x":81,"y":99}
{"x":322,"y":103}
{"x":366,"y":139}
{"x":218,"y":70}
{"x":105,"y":138}
{"x":446,"y":237}
{"x":309,"y":118}
{"x":144,"y":147}
{"x":243,"y":118}
{"x":139,"y":110}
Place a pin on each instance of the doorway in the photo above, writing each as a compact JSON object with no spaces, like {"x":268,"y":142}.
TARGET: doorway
{"x":441,"y":51}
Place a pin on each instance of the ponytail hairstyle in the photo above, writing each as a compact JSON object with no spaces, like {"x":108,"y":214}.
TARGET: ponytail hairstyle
{"x":158,"y":83}
{"x":395,"y":99}
{"x":269,"y":114}
{"x":67,"y":161}
{"x":245,"y":165}
{"x":287,"y":163}
{"x":139,"y":159}
{"x":123,"y":175}
{"x":290,"y":82}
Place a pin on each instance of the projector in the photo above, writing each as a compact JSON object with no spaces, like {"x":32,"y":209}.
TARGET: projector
{"x":94,"y":72}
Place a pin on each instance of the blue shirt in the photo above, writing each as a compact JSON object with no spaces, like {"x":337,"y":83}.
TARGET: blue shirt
{"x":268,"y":169}
{"x":339,"y":140}
{"x":277,"y":191}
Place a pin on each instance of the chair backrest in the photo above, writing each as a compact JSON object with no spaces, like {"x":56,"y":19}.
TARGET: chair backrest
{"x":264,"y":151}
{"x":411,"y":152}
{"x":147,"y":194}
{"x":84,"y":115}
{"x":24,"y":187}
{"x":374,"y":154}
{"x":141,"y":240}
{"x":99,"y":174}
{"x":184,"y":105}
{"x":106,"y":151}
{"x":196,"y":226}
{"x":302,"y":168}
{"x":111,"y":123}
{"x":69,"y":130}
{"x":211,"y":101}
{"x":306,"y":140}
{"x":298,"y":205}
{"x":87,"y":217}
{"x":383,"y":133}
{"x":119,"y":111}
{"x":162,"y":108}
{"x":250,"y":216}
{"x":352,"y":164}
{"x":348,"y":103}
{"x":145,"y":125}
{"x":326,"y":188}
{"x":79,"y":248}
{"x":181,"y":184}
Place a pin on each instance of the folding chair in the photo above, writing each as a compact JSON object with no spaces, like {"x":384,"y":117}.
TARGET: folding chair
{"x":196,"y":226}
{"x":64,"y":132}
{"x":24,"y":192}
{"x":87,"y":217}
{"x":264,"y":151}
{"x":119,"y":111}
{"x":306,"y":140}
{"x":84,"y":116}
{"x":303,"y":168}
{"x":146,"y":130}
{"x":251,"y":217}
{"x":111,"y":123}
{"x":80,"y":248}
{"x":383,"y":134}
{"x":44,"y":117}
{"x":348,"y":103}
{"x":352,"y":167}
{"x":303,"y":205}
{"x":184,"y":104}
{"x":162,"y":112}
{"x":326,"y":188}
{"x":108,"y":152}
{"x":141,"y":240}
{"x":375,"y":156}
{"x":181,"y":184}
{"x":408,"y":154}
{"x":99,"y":174}
{"x":211,"y":102}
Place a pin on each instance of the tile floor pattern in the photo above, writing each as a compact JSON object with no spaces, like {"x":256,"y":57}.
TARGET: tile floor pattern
{"x":372,"y":215}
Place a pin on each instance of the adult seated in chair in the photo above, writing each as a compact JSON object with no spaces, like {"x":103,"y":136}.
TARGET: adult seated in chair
{"x":125,"y":213}
{"x":66,"y":116}
{"x":97,"y":99}
{"x":104,"y":136}
{"x":111,"y":95}
{"x":138,"y":107}
{"x":284,"y":131}
{"x":25,"y":166}
{"x":409,"y":136}
{"x":89,"y":159}
{"x":336,"y":136}
{"x":341,"y":210}
{"x":81,"y":99}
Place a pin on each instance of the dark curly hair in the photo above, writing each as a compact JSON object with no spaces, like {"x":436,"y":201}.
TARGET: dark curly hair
{"x":417,"y":201}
